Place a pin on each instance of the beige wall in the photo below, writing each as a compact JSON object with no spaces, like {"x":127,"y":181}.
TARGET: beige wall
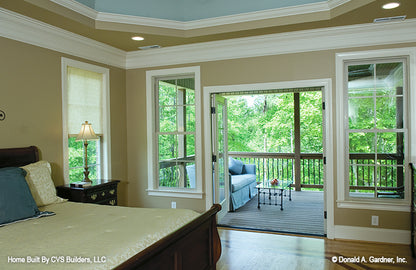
{"x":30,"y":94}
{"x":31,"y":97}
{"x":278,"y":68}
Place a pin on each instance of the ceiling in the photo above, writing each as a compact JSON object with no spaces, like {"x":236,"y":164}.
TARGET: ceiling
{"x":211,"y":20}
{"x":188,"y":10}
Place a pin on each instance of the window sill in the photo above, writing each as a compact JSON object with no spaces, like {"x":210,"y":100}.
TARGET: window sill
{"x":404,"y":206}
{"x":175,"y":193}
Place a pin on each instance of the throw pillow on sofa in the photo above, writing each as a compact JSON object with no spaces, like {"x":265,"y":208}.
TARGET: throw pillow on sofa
{"x":235,"y":166}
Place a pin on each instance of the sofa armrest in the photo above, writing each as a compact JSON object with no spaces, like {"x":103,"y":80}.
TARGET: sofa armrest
{"x":250,"y":168}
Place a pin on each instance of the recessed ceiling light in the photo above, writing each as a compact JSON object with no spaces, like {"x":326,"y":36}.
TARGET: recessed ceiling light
{"x":391,"y":5}
{"x":137,"y":38}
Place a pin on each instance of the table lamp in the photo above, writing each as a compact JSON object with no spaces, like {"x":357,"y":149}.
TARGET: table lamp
{"x":86,"y":134}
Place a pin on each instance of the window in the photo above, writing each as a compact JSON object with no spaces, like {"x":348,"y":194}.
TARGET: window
{"x":376,"y":129}
{"x":173,"y":130}
{"x":85,"y":91}
{"x":373,"y":130}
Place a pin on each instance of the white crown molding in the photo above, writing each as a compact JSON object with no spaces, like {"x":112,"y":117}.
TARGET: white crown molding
{"x":275,"y":44}
{"x":336,"y":3}
{"x":217,"y":21}
{"x":78,"y":8}
{"x":25,"y":29}
{"x":140,"y":21}
{"x":21,"y":28}
{"x":324,"y":6}
{"x":259,"y":15}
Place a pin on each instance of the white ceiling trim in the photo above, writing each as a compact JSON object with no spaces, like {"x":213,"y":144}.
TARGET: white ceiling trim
{"x":275,"y":44}
{"x":203,"y":23}
{"x":77,"y":7}
{"x":211,"y":22}
{"x":21,"y":28}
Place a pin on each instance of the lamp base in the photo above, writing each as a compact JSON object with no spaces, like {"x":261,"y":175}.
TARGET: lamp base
{"x":86,"y":178}
{"x":86,"y":172}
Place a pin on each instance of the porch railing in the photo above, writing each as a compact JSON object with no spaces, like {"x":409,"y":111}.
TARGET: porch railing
{"x":281,"y":166}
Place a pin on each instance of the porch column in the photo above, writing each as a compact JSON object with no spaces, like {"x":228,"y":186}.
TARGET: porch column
{"x":296,"y":106}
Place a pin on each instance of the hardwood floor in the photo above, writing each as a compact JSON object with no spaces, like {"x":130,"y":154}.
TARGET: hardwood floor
{"x":244,"y":250}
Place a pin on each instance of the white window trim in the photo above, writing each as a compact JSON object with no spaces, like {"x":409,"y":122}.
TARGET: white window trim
{"x":106,"y":143}
{"x":153,"y":187}
{"x":344,"y":201}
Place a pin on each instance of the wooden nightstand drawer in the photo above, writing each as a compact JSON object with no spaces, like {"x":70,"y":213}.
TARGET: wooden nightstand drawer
{"x":101,"y":192}
{"x":112,"y":201}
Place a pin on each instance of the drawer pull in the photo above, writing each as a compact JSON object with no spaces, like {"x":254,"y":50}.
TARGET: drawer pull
{"x":103,"y":194}
{"x":93,"y":196}
{"x":112,"y":192}
{"x":113,"y":202}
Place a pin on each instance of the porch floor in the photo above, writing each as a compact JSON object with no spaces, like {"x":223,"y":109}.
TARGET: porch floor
{"x":303,"y":215}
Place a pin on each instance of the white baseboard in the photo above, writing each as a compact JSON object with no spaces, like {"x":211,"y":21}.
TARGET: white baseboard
{"x":372,"y":234}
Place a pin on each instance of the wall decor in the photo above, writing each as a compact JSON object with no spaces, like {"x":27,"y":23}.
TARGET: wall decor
{"x":2,"y":115}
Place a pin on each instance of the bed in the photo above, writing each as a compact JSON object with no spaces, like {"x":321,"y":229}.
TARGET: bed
{"x":89,"y":236}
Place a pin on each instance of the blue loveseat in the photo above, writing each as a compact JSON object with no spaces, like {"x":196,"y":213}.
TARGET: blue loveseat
{"x":242,"y":183}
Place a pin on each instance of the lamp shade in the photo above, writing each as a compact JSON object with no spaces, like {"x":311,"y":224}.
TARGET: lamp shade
{"x":86,"y":133}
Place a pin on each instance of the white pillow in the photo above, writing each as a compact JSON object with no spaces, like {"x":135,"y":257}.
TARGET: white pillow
{"x":40,"y":183}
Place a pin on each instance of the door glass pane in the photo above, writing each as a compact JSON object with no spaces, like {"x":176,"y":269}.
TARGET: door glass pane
{"x":221,"y":150}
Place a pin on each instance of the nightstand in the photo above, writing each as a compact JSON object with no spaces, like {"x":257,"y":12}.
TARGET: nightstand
{"x":100,"y":192}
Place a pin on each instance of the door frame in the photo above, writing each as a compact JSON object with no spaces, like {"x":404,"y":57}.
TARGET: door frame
{"x":328,"y":151}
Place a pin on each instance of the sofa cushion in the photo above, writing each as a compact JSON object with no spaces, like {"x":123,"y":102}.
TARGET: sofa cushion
{"x":235,"y":166}
{"x":240,"y":181}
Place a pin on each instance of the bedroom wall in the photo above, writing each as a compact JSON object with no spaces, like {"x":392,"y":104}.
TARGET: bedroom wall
{"x":277,"y":68}
{"x":31,"y":97}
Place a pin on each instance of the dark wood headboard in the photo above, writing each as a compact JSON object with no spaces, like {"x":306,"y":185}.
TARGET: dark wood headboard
{"x":17,"y":157}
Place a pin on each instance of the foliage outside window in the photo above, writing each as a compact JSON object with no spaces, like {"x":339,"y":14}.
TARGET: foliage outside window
{"x":264,"y":126}
{"x":76,"y":159}
{"x":176,"y":132}
{"x":173,"y":132}
{"x":376,"y":129}
{"x":265,"y":123}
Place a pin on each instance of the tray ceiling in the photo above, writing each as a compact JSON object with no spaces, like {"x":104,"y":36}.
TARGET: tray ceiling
{"x":98,"y":20}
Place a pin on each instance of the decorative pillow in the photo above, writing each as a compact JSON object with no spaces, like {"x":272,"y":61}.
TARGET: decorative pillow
{"x":16,"y":201}
{"x":235,"y":166}
{"x":40,"y":183}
